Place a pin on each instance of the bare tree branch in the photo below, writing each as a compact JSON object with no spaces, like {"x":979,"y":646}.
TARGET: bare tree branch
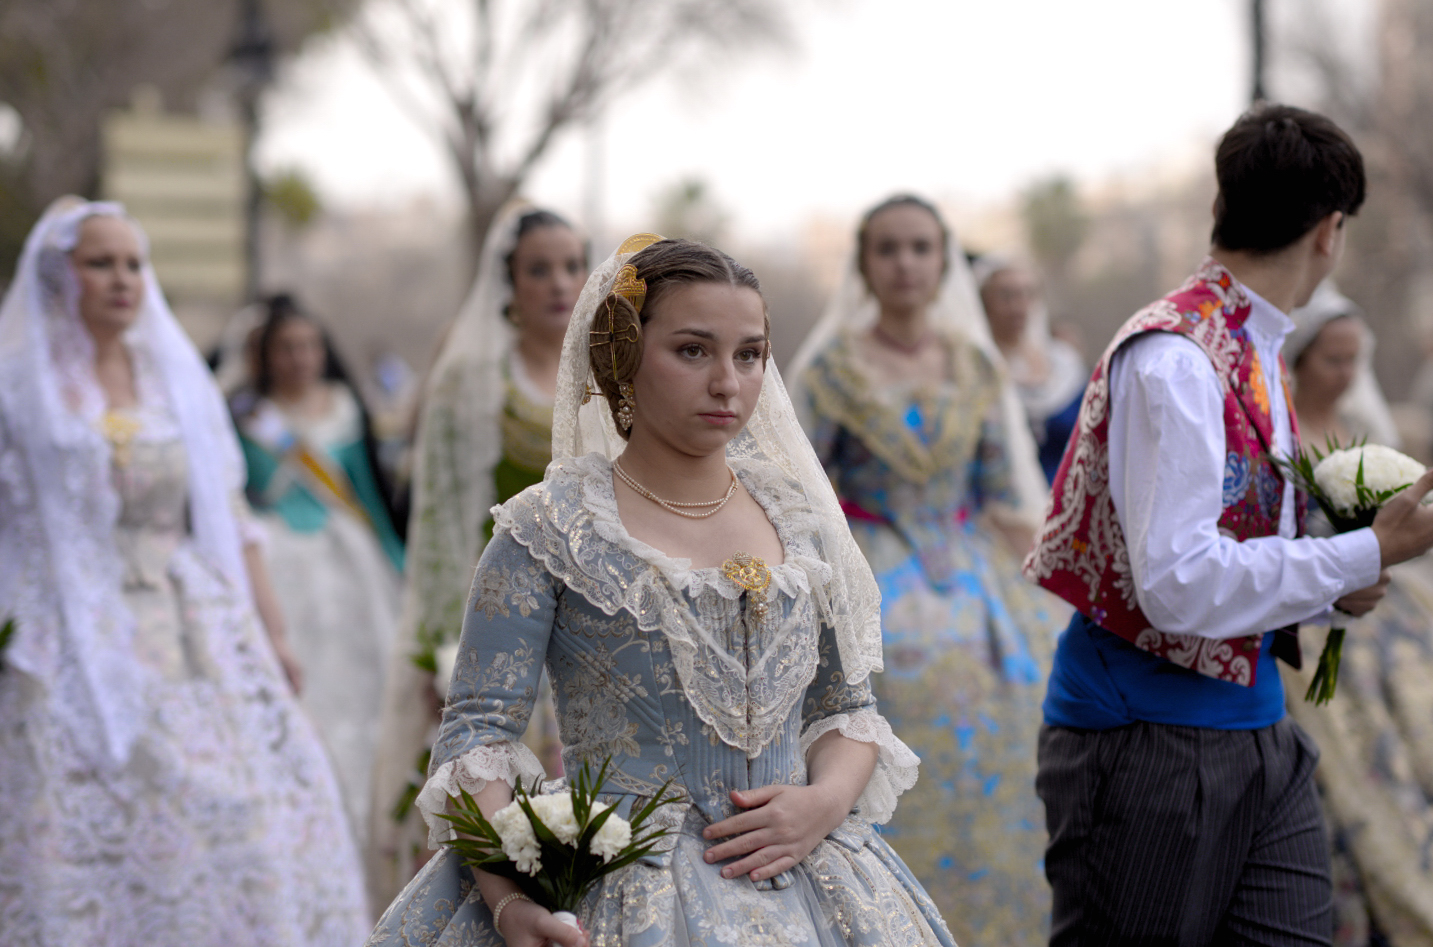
{"x":585,"y":52}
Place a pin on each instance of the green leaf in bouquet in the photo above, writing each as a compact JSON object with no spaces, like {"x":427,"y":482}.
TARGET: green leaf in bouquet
{"x":1325,"y":680}
{"x":640,"y":817}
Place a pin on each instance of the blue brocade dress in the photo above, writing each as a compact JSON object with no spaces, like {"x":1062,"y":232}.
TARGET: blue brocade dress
{"x":657,"y":666}
{"x":968,"y":642}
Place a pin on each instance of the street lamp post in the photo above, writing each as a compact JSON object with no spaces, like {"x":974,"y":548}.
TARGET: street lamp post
{"x":252,"y":56}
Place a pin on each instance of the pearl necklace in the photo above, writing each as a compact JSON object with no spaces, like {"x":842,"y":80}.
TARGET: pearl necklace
{"x":909,"y":349}
{"x":681,"y":509}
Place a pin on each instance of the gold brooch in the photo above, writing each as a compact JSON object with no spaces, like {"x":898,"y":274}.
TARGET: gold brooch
{"x":752,"y":574}
{"x":119,"y":430}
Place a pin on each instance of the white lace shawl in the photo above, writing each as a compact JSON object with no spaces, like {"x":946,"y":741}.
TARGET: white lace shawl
{"x":571,"y":526}
{"x":73,"y":630}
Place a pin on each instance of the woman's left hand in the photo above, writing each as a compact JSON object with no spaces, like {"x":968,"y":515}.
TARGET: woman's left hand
{"x":781,"y":826}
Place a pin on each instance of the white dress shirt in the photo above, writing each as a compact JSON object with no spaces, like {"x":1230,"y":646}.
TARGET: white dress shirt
{"x":1167,"y":455}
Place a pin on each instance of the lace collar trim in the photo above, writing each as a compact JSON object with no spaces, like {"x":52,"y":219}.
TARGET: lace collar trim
{"x":569,"y":524}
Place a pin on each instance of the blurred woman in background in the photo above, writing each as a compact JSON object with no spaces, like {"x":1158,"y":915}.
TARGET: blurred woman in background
{"x":1049,"y":374}
{"x":158,"y":782}
{"x":1375,"y":738}
{"x":333,"y":549}
{"x":929,"y":451}
{"x":485,"y":435}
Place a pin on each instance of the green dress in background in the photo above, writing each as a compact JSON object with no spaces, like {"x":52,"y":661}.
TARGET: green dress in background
{"x":449,"y":528}
{"x":334,"y":560}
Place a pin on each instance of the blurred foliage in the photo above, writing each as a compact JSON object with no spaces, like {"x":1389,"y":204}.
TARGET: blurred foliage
{"x":1055,"y":222}
{"x":63,"y":65}
{"x":291,"y":195}
{"x":688,"y":209}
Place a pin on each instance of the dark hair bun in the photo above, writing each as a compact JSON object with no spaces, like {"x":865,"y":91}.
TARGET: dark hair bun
{"x":615,"y":346}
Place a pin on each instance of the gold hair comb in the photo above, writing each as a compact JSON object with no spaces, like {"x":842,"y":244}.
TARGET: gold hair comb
{"x":630,"y":286}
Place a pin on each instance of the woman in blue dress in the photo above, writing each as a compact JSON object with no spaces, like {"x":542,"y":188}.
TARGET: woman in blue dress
{"x":686,"y":576}
{"x":929,"y":452}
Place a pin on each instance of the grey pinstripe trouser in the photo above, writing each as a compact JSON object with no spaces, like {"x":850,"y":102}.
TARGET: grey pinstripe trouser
{"x":1184,"y":836}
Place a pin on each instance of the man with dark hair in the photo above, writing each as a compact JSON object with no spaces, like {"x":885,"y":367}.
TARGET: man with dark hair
{"x":1179,"y":798}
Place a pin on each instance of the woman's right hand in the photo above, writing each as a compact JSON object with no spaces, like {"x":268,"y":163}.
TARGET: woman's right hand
{"x":527,"y":924}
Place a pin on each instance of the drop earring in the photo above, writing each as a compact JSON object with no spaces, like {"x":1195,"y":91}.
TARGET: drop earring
{"x":626,"y":405}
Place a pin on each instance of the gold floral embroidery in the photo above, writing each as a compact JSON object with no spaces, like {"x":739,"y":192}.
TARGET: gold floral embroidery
{"x":494,"y":590}
{"x":842,"y":392}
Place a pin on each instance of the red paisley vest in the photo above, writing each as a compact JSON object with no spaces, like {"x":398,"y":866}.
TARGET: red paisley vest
{"x":1081,"y":555}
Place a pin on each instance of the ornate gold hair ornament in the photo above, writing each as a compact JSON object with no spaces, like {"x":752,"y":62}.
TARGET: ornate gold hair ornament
{"x":632,"y":288}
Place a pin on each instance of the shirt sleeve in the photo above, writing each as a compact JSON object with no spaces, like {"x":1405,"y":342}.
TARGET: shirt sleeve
{"x":1166,"y":455}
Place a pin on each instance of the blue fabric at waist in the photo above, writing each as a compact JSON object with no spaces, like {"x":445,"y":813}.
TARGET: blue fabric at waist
{"x":1100,"y":681}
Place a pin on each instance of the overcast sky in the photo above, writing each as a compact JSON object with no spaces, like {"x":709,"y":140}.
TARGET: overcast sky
{"x":963,"y":100}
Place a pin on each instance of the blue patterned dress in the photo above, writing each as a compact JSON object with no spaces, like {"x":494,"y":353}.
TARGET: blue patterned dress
{"x":968,"y":642}
{"x":662,"y":668}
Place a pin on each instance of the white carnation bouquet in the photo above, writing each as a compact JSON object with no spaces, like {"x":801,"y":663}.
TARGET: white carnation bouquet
{"x":1350,"y":484}
{"x":556,"y":846}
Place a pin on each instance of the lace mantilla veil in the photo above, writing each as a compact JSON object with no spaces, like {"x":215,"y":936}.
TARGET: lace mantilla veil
{"x":956,"y":308}
{"x":1363,"y":404}
{"x":472,"y":358}
{"x":73,"y":631}
{"x":851,"y":602}
{"x":1067,"y":372}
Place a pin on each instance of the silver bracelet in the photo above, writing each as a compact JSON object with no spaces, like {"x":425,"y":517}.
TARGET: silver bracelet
{"x":504,"y":902}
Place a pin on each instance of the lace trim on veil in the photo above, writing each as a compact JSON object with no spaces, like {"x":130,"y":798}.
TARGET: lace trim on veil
{"x":570,"y":524}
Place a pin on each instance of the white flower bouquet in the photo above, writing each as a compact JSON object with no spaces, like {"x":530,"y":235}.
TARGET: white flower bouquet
{"x":1350,"y":484}
{"x":556,"y":846}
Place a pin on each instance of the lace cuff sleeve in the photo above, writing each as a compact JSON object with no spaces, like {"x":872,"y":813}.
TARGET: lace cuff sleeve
{"x":472,"y":772}
{"x":896,"y":767}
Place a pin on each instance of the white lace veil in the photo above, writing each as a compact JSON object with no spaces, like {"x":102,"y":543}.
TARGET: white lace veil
{"x":73,"y":630}
{"x":1363,"y":404}
{"x":956,"y":308}
{"x":1067,"y":373}
{"x":471,"y":360}
{"x":851,"y":603}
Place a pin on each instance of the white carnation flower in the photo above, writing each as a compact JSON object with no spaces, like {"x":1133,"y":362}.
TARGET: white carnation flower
{"x":444,"y":658}
{"x":519,"y":840}
{"x":613,"y":837}
{"x":555,"y":811}
{"x":1383,"y":469}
